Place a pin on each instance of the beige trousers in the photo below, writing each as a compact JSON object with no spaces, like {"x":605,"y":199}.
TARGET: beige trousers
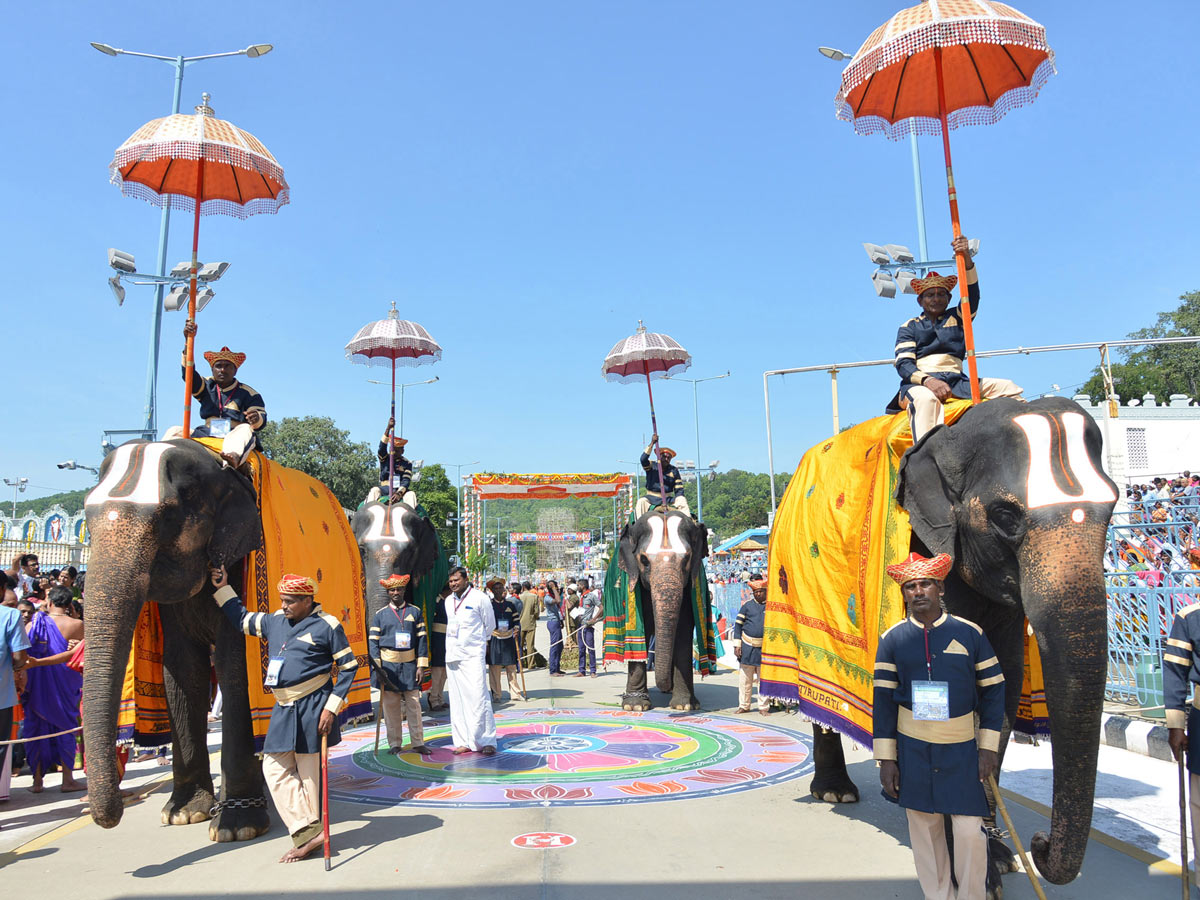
{"x":437,"y":686}
{"x":680,"y":503}
{"x":746,"y":676}
{"x":376,"y":492}
{"x":925,"y":410}
{"x":927,"y":833}
{"x":494,"y":681}
{"x":1194,"y":804}
{"x":238,"y":441}
{"x":397,"y":706}
{"x":294,"y":780}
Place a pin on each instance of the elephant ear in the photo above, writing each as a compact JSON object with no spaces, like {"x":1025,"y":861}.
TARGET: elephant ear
{"x":628,"y":549}
{"x":698,"y":540}
{"x":427,"y":547}
{"x":359,"y":522}
{"x":237,"y":528}
{"x":928,"y":472}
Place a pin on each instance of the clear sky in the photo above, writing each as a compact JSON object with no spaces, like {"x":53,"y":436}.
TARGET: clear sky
{"x":528,"y":179}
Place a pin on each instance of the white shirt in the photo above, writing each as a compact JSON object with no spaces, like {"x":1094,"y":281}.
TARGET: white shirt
{"x":470,"y":622}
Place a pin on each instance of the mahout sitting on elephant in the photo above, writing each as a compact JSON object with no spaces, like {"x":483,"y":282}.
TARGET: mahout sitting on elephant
{"x":1014,"y":492}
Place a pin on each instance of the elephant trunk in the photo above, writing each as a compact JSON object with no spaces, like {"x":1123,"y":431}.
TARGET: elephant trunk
{"x":116,"y":590}
{"x":666,"y":594}
{"x":1064,"y":598}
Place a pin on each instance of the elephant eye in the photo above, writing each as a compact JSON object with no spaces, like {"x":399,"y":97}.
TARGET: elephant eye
{"x":1007,"y":519}
{"x":643,"y":559}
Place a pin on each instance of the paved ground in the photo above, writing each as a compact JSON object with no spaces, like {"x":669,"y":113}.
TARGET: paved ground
{"x":772,"y":841}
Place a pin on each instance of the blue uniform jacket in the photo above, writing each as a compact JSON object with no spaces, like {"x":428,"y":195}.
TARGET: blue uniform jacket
{"x":397,"y":645}
{"x":403,"y":471}
{"x":670,"y":475}
{"x":926,"y":348}
{"x":309,"y":649}
{"x":750,"y":622}
{"x":502,"y":646}
{"x":232,"y":404}
{"x":1180,"y":674}
{"x":939,"y":762}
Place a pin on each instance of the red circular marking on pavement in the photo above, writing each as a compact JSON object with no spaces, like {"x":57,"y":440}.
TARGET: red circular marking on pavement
{"x":543,"y":840}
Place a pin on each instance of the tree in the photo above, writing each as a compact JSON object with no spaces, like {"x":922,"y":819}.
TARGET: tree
{"x":436,"y":494}
{"x":1161,"y":369}
{"x":317,"y":447}
{"x":71,"y":501}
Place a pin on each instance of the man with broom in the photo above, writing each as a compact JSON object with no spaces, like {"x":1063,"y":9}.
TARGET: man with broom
{"x":304,"y":644}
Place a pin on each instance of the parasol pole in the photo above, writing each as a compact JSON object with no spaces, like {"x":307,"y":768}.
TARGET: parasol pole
{"x":189,"y":352}
{"x":959,"y":258}
{"x":662,"y":493}
{"x":392,"y":441}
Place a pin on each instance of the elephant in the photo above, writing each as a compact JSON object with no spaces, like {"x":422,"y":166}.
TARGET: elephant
{"x":161,"y":513}
{"x":664,"y":551}
{"x":394,"y":540}
{"x":1015,"y":493}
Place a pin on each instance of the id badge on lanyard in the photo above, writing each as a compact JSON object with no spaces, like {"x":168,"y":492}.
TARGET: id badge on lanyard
{"x":502,"y":625}
{"x":273,"y":666}
{"x":931,"y":701}
{"x":219,"y":427}
{"x":403,"y":640}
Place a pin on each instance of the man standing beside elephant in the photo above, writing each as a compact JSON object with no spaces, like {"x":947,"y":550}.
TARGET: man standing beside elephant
{"x":469,"y":625}
{"x":930,"y":349}
{"x":305,"y":644}
{"x":748,"y":631}
{"x":1181,"y":693}
{"x":933,"y":673}
{"x":397,"y":645}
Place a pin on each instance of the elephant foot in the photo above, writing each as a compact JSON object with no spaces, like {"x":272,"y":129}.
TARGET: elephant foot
{"x":239,"y":819}
{"x":636,"y":702}
{"x":834,"y":788}
{"x":685,"y":703}
{"x":188,"y":805}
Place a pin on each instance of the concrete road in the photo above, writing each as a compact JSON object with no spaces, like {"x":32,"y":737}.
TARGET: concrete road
{"x":764,"y":843}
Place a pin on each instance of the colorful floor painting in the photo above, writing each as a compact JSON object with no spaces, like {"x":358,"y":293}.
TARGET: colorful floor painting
{"x":566,"y":757}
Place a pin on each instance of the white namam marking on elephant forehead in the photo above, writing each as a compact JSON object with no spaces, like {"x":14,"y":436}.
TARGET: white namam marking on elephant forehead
{"x":147,"y":489}
{"x":1042,"y":489}
{"x":675,"y":543}
{"x":379,"y":516}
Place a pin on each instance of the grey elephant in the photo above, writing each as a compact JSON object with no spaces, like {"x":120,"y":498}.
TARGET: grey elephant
{"x":161,"y":513}
{"x":394,"y":540}
{"x":1015,"y":493}
{"x":664,"y":551}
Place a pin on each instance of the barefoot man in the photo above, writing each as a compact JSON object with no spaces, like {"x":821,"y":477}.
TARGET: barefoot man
{"x":304,"y":643}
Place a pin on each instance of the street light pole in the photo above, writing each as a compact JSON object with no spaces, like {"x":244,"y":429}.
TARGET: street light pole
{"x":458,"y":507}
{"x":150,"y":408}
{"x":17,"y":484}
{"x":696,"y":417}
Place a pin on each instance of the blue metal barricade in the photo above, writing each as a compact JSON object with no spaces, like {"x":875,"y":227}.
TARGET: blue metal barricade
{"x":1139,"y":619}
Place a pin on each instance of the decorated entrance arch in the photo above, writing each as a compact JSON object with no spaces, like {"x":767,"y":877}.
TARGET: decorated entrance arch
{"x":494,"y":486}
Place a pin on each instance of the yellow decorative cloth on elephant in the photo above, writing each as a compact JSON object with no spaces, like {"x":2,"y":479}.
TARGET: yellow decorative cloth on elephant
{"x":304,"y":530}
{"x":142,"y":713}
{"x":829,"y":598}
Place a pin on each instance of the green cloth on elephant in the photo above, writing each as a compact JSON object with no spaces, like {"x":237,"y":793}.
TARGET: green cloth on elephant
{"x":425,"y":593}
{"x":624,"y":627}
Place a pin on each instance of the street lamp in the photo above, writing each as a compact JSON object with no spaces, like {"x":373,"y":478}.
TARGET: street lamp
{"x":402,"y":387}
{"x":696,"y":416}
{"x":19,"y":484}
{"x":896,"y":267}
{"x":458,"y":506}
{"x":72,"y":464}
{"x":179,"y":63}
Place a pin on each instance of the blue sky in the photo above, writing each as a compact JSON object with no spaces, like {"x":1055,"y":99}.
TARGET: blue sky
{"x":528,"y":179}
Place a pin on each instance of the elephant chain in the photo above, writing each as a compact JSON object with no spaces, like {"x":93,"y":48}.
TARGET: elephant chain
{"x":238,"y":803}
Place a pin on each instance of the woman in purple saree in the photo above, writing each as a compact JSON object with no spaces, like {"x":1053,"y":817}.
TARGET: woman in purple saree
{"x":51,"y":704}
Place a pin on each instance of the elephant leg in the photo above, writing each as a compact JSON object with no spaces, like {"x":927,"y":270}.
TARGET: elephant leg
{"x":636,"y":696}
{"x":831,"y":782}
{"x":242,"y":811}
{"x":185,"y":676}
{"x":683,"y":692}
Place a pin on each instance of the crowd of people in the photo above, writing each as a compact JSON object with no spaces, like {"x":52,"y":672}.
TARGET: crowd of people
{"x":1155,"y":535}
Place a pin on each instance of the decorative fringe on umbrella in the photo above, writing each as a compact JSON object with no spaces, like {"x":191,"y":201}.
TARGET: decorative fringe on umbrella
{"x":184,"y":203}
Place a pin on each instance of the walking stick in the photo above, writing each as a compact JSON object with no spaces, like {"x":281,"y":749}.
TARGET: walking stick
{"x":1037,"y":887}
{"x":378,"y":719}
{"x":1183,"y":851}
{"x":520,"y":668}
{"x":325,"y":794}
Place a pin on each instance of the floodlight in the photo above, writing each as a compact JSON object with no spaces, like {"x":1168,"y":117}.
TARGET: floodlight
{"x":828,"y":52}
{"x":114,"y":285}
{"x":177,"y":299}
{"x":68,"y":464}
{"x":878,"y":254}
{"x":885,"y":285}
{"x":904,"y":280}
{"x":254,"y":51}
{"x":212,"y":271}
{"x":105,"y":48}
{"x":121,"y":261}
{"x":900,"y":253}
{"x":202,"y":298}
{"x":973,"y":246}
{"x":714,"y":463}
{"x":182,"y":270}
{"x":689,"y":464}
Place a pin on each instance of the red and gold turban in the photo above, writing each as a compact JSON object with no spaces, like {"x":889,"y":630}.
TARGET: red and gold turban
{"x":394,"y":581}
{"x":228,"y":355}
{"x":758,"y":582}
{"x":296,"y":584}
{"x":495,"y":579}
{"x":399,"y":441}
{"x":666,"y":453}
{"x":917,"y":566}
{"x":934,"y":280}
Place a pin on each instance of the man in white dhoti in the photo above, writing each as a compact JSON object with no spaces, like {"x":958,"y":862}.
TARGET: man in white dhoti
{"x":469,"y":624}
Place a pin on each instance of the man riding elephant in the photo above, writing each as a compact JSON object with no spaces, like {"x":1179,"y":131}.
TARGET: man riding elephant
{"x":671,"y":491}
{"x":395,"y":471}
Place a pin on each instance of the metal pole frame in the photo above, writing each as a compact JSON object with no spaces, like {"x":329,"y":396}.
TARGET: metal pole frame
{"x":983,"y":354}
